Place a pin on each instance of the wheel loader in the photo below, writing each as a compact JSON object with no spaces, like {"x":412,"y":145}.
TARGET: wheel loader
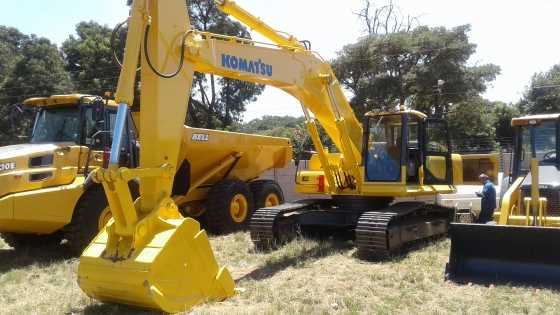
{"x":150,"y":256}
{"x":519,"y":245}
{"x":47,"y":193}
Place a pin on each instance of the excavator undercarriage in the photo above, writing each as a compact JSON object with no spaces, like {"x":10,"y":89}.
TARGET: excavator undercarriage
{"x":378,"y":232}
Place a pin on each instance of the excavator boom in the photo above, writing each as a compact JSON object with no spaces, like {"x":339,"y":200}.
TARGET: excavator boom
{"x":149,"y":255}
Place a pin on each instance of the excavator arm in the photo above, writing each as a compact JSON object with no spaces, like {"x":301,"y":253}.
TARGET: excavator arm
{"x":164,"y":261}
{"x":149,"y":255}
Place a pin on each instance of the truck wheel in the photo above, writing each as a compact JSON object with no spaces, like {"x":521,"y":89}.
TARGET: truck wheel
{"x":90,"y":215}
{"x":229,"y":206}
{"x":266,"y":193}
{"x":29,"y":241}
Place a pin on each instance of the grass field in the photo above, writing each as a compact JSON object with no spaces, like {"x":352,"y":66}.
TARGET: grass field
{"x":304,"y":277}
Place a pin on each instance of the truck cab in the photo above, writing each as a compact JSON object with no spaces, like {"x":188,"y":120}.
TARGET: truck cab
{"x":42,"y":181}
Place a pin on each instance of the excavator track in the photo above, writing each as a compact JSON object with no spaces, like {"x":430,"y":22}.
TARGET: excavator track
{"x":380,"y":234}
{"x":372,"y":233}
{"x":273,"y":226}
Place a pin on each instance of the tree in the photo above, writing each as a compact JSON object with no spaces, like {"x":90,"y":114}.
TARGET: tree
{"x":385,"y":19}
{"x":39,"y":71}
{"x":543,"y":96}
{"x":287,"y":127}
{"x":89,"y":58}
{"x":217,"y":102}
{"x":503,"y":114}
{"x":11,"y":43}
{"x":401,"y":61}
{"x":479,"y":133}
{"x":405,"y":67}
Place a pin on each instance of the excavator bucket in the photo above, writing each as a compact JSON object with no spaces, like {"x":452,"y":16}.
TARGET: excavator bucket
{"x":175,"y":271}
{"x":483,"y":253}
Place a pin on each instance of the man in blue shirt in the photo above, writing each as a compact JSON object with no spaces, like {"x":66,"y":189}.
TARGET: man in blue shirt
{"x":488,"y":200}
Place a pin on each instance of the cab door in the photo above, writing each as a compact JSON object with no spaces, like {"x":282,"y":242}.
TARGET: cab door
{"x":437,"y":153}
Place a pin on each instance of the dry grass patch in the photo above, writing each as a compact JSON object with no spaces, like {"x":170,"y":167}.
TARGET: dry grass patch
{"x":306,"y":276}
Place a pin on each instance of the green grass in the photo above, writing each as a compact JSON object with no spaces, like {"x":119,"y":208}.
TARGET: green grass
{"x":304,"y":277}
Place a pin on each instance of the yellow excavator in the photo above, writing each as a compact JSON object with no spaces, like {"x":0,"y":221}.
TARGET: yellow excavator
{"x":148,"y":255}
{"x":519,"y":246}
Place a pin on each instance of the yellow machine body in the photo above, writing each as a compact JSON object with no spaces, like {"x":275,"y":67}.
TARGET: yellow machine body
{"x":214,"y":155}
{"x":151,"y":255}
{"x":160,"y":35}
{"x":41,"y":183}
{"x":314,"y":180}
{"x":519,"y":247}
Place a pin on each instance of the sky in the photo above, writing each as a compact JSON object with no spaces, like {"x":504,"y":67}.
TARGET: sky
{"x":520,"y":36}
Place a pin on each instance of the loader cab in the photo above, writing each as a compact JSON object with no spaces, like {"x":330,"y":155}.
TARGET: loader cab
{"x":535,"y":136}
{"x":406,"y":147}
{"x":81,"y":121}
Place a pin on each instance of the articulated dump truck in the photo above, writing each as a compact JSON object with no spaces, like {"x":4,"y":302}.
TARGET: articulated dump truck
{"x":520,"y":245}
{"x":47,"y":193}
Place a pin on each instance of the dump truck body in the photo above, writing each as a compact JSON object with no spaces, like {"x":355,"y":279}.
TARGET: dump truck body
{"x":206,"y":149}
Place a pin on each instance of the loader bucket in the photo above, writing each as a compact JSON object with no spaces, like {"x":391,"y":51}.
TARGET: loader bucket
{"x":483,"y":253}
{"x":174,"y":272}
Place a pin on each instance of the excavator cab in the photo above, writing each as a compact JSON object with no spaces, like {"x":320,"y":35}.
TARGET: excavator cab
{"x":407,"y":147}
{"x":519,"y":245}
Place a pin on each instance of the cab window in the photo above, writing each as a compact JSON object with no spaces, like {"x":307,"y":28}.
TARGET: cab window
{"x":57,"y":125}
{"x":384,"y":148}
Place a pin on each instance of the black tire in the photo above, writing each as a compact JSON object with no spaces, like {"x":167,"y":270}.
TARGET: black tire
{"x":31,"y":241}
{"x":85,"y":219}
{"x":261,"y":189}
{"x":217,"y":217}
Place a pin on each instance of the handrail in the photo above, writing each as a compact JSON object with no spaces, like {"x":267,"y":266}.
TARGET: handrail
{"x":509,"y":200}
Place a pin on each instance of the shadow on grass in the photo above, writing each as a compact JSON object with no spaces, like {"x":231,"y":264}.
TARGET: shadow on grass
{"x":16,"y":259}
{"x":114,"y":309}
{"x":269,"y":269}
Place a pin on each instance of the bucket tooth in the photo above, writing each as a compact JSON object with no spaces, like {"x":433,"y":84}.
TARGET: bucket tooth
{"x":175,"y":271}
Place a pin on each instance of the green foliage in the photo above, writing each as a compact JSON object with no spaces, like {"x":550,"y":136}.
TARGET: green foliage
{"x":89,"y":58}
{"x":38,"y":71}
{"x":218,"y":102}
{"x":11,"y":42}
{"x":503,"y":113}
{"x":477,"y":124}
{"x":543,"y":96}
{"x":382,"y":70}
{"x":287,"y":127}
